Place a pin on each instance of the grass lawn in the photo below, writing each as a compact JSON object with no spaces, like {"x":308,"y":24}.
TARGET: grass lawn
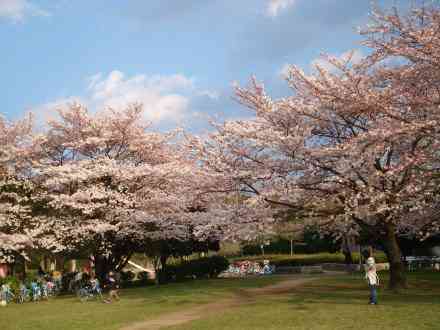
{"x":336,"y":303}
{"x":137,"y":304}
{"x":328,"y":303}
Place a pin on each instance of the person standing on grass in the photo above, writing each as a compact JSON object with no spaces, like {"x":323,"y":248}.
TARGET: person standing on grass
{"x":113,"y":287}
{"x":372,"y":279}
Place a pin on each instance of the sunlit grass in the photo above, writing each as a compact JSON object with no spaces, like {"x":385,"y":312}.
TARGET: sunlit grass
{"x":137,"y":304}
{"x":327,"y":303}
{"x":336,"y":303}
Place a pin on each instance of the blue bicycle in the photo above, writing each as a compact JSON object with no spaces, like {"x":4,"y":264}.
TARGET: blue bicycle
{"x":23,"y":295}
{"x":36,"y":291}
{"x":6,"y":293}
{"x":91,"y":291}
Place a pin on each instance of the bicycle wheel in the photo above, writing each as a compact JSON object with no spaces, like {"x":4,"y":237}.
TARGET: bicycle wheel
{"x":83,"y":295}
{"x":20,"y":299}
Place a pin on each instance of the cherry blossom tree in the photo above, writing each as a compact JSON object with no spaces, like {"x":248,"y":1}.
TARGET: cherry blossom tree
{"x":362,"y":137}
{"x":110,"y":186}
{"x":15,"y":162}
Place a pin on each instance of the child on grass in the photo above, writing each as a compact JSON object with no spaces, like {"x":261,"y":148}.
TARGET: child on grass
{"x":114,"y":287}
{"x":372,"y":279}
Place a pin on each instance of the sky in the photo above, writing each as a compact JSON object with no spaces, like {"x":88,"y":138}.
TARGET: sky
{"x":179,"y":58}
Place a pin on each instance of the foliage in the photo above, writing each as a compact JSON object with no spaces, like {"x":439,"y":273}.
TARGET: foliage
{"x":13,"y":282}
{"x":208,"y":267}
{"x":307,"y":259}
{"x":313,"y":242}
{"x":354,"y":147}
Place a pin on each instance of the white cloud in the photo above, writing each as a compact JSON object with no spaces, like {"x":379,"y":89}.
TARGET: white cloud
{"x":17,"y":10}
{"x":213,"y":95}
{"x":284,"y":71}
{"x":166,"y":98}
{"x":275,"y":7}
{"x":48,"y":111}
{"x":356,"y":57}
{"x":163,"y":97}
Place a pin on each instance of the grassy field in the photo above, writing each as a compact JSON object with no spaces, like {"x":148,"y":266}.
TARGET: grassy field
{"x":328,"y":303}
{"x":336,"y":303}
{"x":68,"y":313}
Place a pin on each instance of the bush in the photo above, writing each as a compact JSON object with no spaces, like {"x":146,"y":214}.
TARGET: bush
{"x":217,"y":264}
{"x":209,"y":267}
{"x":313,"y":243}
{"x":309,"y":259}
{"x":14,"y":283}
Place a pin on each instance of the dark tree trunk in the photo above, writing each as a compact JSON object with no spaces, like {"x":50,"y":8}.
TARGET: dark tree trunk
{"x":156,"y":265}
{"x":348,"y":258}
{"x":346,"y":250}
{"x":160,"y":268}
{"x":163,"y":262}
{"x":59,"y":263}
{"x":102,"y":267}
{"x":394,"y":255}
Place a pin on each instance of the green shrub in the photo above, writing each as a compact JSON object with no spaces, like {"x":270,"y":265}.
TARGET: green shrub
{"x":308,"y":259}
{"x":217,"y":264}
{"x":209,"y":267}
{"x":13,"y":281}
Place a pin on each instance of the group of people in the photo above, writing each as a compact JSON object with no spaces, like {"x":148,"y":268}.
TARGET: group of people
{"x":88,"y":279}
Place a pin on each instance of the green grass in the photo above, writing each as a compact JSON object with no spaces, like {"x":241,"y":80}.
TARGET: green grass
{"x":307,"y":259}
{"x":336,"y":303}
{"x":327,"y":304}
{"x":137,"y":304}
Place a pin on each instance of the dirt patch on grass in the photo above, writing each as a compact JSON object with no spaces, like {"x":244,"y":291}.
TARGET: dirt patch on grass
{"x":242,"y":297}
{"x":184,"y":316}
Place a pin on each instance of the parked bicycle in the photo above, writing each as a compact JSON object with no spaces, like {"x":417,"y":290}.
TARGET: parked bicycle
{"x":36,"y":291}
{"x":92,"y":290}
{"x":6,"y":293}
{"x":23,"y":295}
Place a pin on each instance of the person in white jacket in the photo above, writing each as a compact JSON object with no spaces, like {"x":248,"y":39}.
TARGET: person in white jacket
{"x":372,"y":279}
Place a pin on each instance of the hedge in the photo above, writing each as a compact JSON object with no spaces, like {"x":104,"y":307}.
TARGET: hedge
{"x":208,"y":267}
{"x":308,"y":259}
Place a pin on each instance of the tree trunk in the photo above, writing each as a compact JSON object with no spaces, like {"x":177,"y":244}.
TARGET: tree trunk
{"x":162,"y":275}
{"x":163,"y":262}
{"x":346,"y":250}
{"x":394,"y":255}
{"x":102,"y":267}
{"x":156,"y":265}
{"x":348,"y":258}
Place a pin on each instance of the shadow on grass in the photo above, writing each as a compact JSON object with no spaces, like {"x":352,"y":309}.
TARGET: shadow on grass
{"x":424,"y":290}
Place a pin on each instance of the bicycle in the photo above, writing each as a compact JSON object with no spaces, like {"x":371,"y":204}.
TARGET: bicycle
{"x":90,"y":291}
{"x":6,"y":293}
{"x":36,"y":291}
{"x":23,"y":295}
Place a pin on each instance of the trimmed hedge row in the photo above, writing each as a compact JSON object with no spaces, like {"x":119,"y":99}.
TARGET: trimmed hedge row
{"x":208,"y":267}
{"x":281,"y":260}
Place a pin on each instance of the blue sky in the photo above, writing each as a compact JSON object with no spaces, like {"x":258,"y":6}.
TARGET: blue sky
{"x":178,"y":57}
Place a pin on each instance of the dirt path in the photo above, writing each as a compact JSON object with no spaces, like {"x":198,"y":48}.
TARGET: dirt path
{"x":242,"y":297}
